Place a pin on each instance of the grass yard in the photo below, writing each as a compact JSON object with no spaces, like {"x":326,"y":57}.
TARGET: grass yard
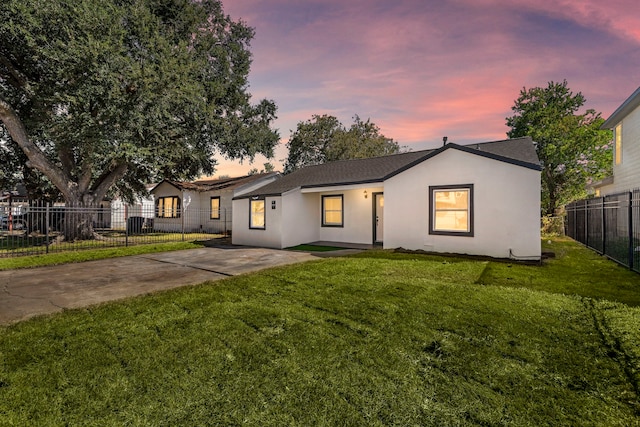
{"x":66,"y":257}
{"x":370,"y":340}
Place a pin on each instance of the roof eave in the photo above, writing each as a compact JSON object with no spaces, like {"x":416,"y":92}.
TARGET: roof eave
{"x":623,"y":110}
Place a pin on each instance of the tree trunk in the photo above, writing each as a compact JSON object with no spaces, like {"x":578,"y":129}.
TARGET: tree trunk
{"x":79,"y":219}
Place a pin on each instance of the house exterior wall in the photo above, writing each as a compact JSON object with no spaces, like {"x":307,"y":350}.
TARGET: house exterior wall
{"x":627,"y":173}
{"x":196,"y":210}
{"x":270,"y":236}
{"x":144,"y":207}
{"x":506,"y":207}
{"x":297,"y":219}
{"x":301,"y":215}
{"x":167,"y":224}
{"x":222,"y":224}
{"x":358,"y":217}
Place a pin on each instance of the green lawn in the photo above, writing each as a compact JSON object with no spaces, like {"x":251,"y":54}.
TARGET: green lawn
{"x":369,"y":340}
{"x":66,"y":257}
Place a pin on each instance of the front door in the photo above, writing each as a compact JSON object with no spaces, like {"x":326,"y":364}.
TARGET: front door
{"x":378,"y":211}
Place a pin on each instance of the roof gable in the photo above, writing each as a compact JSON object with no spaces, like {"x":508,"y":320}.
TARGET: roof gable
{"x":623,"y":110}
{"x":517,"y":151}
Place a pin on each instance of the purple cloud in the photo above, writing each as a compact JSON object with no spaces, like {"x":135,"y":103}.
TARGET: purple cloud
{"x":424,"y":69}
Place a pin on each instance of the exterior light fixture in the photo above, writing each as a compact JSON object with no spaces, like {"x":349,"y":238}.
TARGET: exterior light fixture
{"x":365,"y":194}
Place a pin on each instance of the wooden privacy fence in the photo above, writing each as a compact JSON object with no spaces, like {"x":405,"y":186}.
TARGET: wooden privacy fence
{"x":38,"y":228}
{"x":609,"y":225}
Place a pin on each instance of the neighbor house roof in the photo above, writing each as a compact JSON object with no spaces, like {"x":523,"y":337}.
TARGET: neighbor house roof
{"x":623,"y":110}
{"x":216,"y":184}
{"x":519,"y":151}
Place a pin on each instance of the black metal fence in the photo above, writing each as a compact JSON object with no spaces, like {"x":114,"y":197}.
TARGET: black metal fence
{"x":33,"y":228}
{"x":609,"y":225}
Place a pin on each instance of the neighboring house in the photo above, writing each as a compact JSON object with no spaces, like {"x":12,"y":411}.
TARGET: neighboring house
{"x":121,"y":210}
{"x":480,"y":199}
{"x":203,"y":205}
{"x":625,"y":124}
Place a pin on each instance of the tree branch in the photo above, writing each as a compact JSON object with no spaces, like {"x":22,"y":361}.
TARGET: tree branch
{"x":107,"y":179}
{"x":14,"y":76}
{"x":84,"y":180}
{"x":37,"y":159}
{"x":66,"y":157}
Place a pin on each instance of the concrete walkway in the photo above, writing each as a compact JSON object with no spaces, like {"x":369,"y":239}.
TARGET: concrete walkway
{"x":29,"y":292}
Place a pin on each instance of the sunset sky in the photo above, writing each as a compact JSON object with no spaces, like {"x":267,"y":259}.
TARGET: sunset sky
{"x":423,"y":69}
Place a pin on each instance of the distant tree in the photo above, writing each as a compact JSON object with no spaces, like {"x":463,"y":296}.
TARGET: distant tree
{"x":268,"y":167}
{"x":108,"y":95}
{"x":308,"y":144}
{"x":571,"y":146}
{"x":324,"y":139}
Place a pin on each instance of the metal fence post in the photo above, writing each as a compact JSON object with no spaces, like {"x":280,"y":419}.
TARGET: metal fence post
{"x":46,"y":228}
{"x":183,"y":213}
{"x":604,"y":228}
{"x":586,"y":223}
{"x":126,"y":225}
{"x":630,"y":230}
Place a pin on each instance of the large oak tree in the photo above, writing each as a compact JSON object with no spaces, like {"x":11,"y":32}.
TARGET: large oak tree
{"x":570,"y":145}
{"x":112,"y":94}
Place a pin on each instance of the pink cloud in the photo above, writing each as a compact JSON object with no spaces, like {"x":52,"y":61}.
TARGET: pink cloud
{"x":424,"y":69}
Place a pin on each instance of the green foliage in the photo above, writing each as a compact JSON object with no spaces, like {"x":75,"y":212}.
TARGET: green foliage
{"x":267,"y":168}
{"x":324,"y":139}
{"x":115,"y":94}
{"x":571,"y":146}
{"x":552,"y":226}
{"x":380,"y":339}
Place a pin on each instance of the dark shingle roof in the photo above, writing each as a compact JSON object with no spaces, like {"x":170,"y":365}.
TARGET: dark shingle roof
{"x":518,"y":151}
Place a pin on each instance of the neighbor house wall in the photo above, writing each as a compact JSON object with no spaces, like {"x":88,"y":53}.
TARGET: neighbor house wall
{"x":224,"y":223}
{"x":506,"y":206}
{"x":626,"y":175}
{"x":165,"y":189}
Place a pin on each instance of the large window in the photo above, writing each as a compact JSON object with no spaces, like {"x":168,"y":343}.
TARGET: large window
{"x":618,"y":148}
{"x":332,"y":211}
{"x":168,"y":207}
{"x":451,"y":210}
{"x":256,"y":214}
{"x":215,"y":207}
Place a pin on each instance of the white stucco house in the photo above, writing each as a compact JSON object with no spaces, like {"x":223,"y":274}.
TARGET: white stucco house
{"x":478,"y":199}
{"x":203,"y":205}
{"x":625,"y":124}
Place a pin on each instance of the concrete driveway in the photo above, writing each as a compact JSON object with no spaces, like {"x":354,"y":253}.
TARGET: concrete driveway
{"x":30,"y":292}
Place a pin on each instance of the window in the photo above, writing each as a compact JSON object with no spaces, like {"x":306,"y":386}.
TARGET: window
{"x":215,"y":207}
{"x":451,"y":208}
{"x":618,"y":149}
{"x":168,"y":207}
{"x":256,"y":214}
{"x":332,"y":209}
